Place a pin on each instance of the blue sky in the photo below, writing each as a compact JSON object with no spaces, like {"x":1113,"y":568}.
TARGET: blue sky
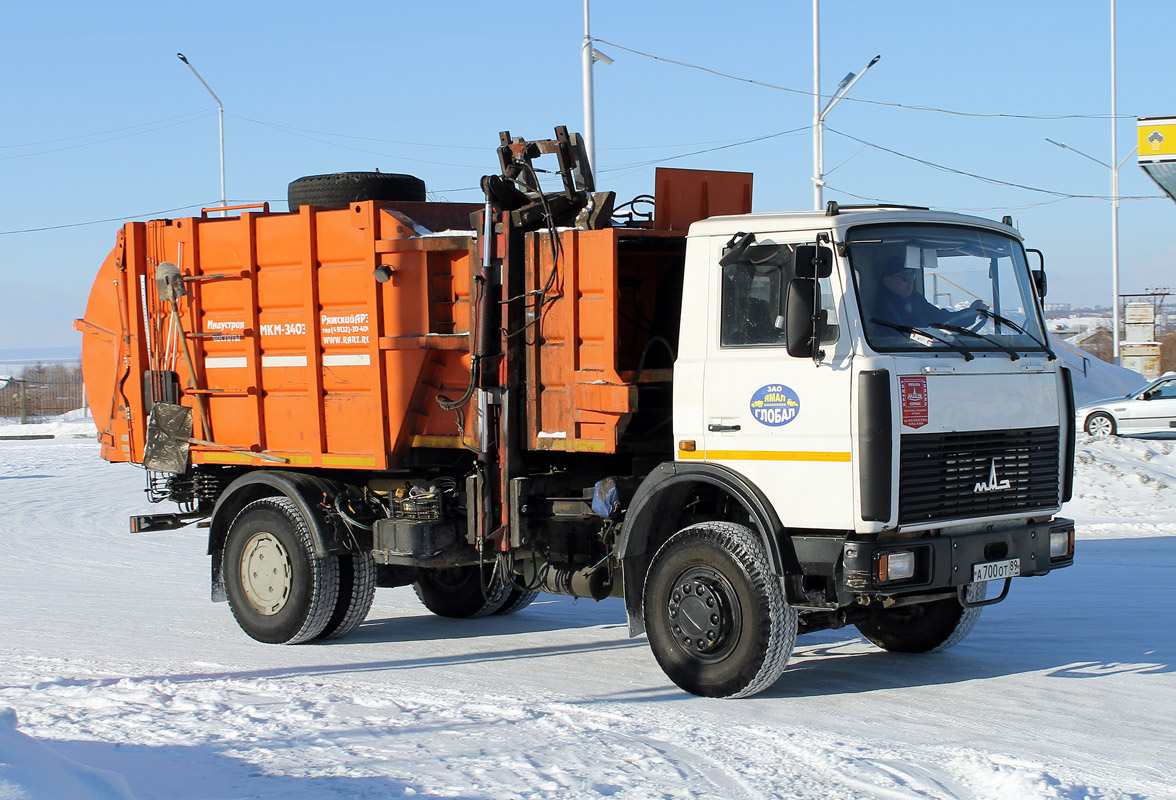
{"x":102,"y":121}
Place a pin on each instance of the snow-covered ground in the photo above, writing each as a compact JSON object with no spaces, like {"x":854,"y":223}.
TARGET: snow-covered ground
{"x":119,"y":679}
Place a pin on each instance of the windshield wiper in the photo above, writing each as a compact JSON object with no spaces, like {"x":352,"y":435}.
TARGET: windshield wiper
{"x":947,"y":326}
{"x":908,"y":329}
{"x":1006,"y":321}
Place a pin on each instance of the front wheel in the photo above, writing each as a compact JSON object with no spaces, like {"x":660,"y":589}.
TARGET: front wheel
{"x":715,"y":612}
{"x":1100,"y":425}
{"x":279,"y":590}
{"x":924,"y":628}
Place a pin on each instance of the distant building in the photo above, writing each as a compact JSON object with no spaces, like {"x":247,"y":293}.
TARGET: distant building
{"x":1065,"y":327}
{"x":1096,"y":341}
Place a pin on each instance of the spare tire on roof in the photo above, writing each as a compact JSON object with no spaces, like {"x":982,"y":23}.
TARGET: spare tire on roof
{"x":340,"y":189}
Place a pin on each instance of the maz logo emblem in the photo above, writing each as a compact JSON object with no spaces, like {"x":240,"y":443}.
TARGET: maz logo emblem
{"x":993,"y":484}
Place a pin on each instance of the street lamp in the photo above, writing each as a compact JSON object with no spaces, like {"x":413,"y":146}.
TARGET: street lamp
{"x":819,"y":113}
{"x":819,"y":129}
{"x":221,"y":124}
{"x":1114,"y":235}
{"x":589,"y":55}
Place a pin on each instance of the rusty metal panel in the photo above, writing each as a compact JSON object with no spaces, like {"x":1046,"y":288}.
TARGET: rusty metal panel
{"x":684,"y":196}
{"x":1144,"y":358}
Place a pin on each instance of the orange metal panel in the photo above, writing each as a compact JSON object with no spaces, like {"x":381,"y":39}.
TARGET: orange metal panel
{"x":577,"y":400}
{"x":284,"y":322}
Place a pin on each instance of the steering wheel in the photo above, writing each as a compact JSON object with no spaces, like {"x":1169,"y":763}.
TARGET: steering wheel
{"x":968,"y":318}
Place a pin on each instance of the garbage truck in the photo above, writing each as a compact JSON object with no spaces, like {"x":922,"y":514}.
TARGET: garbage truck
{"x":716,"y":415}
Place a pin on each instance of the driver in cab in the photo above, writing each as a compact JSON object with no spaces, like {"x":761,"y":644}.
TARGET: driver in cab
{"x":899,"y":304}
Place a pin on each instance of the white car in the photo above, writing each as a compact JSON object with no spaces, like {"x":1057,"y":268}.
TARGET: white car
{"x":1151,"y":409}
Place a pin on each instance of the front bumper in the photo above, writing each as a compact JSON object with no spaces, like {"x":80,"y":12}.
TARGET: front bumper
{"x":946,"y":562}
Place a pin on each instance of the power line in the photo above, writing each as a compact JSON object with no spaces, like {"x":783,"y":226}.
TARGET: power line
{"x":293,"y":129}
{"x":832,"y":188}
{"x":297,"y":132}
{"x":986,"y":179}
{"x":479,"y":148}
{"x":192,"y":114}
{"x":805,"y":93}
{"x":740,"y":143}
{"x":104,"y":141}
{"x":150,"y":215}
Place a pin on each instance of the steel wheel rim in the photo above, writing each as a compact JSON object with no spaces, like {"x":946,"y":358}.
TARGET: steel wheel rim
{"x":1099,"y":427}
{"x":704,"y":615}
{"x":265,"y":574}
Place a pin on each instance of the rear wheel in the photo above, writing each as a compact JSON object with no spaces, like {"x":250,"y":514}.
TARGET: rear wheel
{"x":279,"y":590}
{"x":715,"y":613}
{"x":357,"y":589}
{"x":925,"y":628}
{"x":516,"y":600}
{"x":1100,"y":425}
{"x":462,"y":592}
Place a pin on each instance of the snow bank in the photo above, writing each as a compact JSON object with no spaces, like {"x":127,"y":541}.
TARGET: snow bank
{"x":72,"y":425}
{"x":1095,"y":379}
{"x":30,"y":770}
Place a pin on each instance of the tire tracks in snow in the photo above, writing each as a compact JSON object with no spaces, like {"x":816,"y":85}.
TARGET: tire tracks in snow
{"x":449,"y":742}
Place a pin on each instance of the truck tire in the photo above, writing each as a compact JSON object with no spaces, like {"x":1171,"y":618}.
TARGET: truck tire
{"x":1100,"y":425}
{"x":457,"y":591}
{"x":279,"y":591}
{"x":357,"y":589}
{"x":340,"y":189}
{"x":716,"y":616}
{"x":926,"y":628}
{"x":516,"y":600}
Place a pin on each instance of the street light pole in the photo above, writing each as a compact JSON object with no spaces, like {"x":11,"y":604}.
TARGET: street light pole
{"x":1114,"y":197}
{"x":589,"y":110}
{"x":589,"y":55}
{"x":841,"y":91}
{"x":819,"y":113}
{"x":220,"y":123}
{"x":818,"y":120}
{"x":1114,"y":167}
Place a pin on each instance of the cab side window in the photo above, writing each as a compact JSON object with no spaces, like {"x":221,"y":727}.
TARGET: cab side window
{"x":753,"y":295}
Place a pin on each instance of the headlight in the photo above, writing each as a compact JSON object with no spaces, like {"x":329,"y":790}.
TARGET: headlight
{"x":1061,"y":544}
{"x":896,"y":566}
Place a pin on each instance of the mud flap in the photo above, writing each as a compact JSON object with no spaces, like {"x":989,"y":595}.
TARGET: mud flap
{"x":168,"y":430}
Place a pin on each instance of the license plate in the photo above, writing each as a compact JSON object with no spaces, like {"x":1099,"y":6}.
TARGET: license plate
{"x":996,"y":570}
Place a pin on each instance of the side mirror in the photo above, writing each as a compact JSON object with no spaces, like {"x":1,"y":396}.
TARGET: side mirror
{"x":1038,"y":274}
{"x":802,"y":321}
{"x":1040,"y":282}
{"x":813,"y":261}
{"x":735,"y":249}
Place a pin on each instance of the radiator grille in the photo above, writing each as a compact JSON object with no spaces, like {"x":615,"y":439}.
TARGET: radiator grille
{"x":951,"y":475}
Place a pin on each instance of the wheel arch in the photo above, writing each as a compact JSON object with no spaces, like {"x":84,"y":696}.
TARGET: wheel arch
{"x":656,"y":513}
{"x":305,"y":491}
{"x":1100,"y":412}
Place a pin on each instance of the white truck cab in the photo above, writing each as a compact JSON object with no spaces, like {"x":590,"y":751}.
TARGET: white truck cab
{"x":974,"y":400}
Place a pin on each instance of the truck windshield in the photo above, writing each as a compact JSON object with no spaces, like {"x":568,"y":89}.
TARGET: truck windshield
{"x":944,"y":288}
